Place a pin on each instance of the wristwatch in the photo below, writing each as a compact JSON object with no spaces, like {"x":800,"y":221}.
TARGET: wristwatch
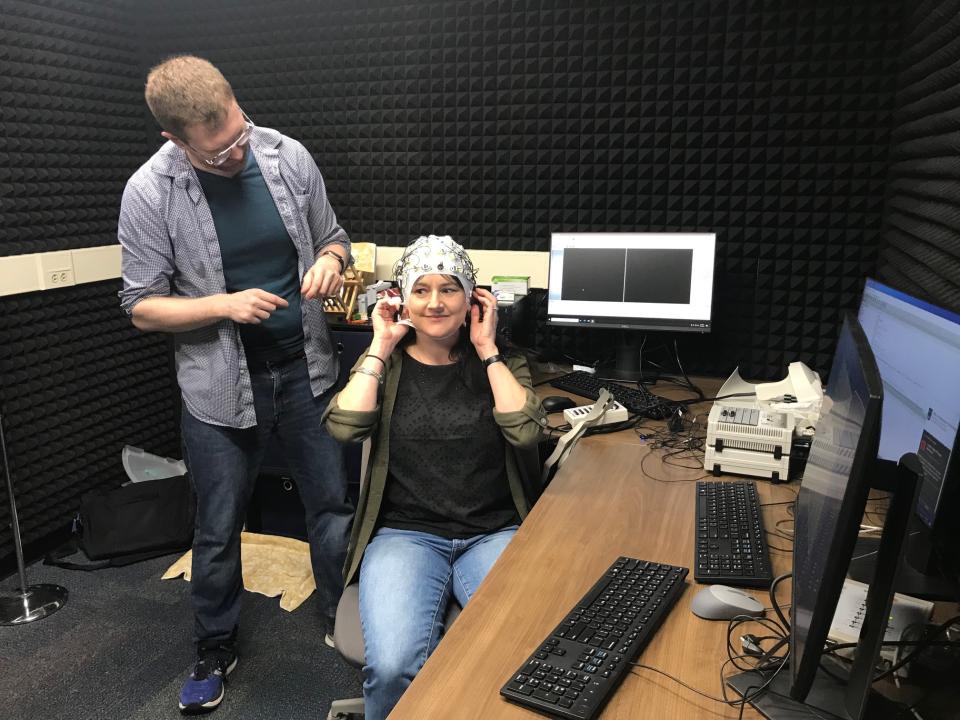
{"x":492,"y":359}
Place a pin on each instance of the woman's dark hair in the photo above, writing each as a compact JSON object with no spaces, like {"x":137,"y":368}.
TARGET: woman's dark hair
{"x":470,"y":368}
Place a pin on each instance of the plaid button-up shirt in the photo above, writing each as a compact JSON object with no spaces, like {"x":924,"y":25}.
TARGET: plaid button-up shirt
{"x":170,"y":248}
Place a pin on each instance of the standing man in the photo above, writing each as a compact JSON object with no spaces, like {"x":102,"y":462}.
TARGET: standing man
{"x":228,"y":243}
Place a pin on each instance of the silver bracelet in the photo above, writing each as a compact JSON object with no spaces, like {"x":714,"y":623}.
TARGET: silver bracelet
{"x":372,"y":373}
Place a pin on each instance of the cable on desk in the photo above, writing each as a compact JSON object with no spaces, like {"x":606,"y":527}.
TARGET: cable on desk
{"x":696,"y":401}
{"x":694,"y":388}
{"x":762,"y":658}
{"x":786,"y":551}
{"x":630,"y":422}
{"x":784,"y":502}
{"x":918,"y":645}
{"x":788,"y":534}
{"x":741,"y":701}
{"x":932,"y":691}
{"x":643,"y":470}
{"x":773,"y":599}
{"x":767,"y":663}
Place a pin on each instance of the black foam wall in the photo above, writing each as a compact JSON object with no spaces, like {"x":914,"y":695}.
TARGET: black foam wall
{"x":77,"y":383}
{"x":500,"y":121}
{"x":921,"y":230}
{"x":496,"y":121}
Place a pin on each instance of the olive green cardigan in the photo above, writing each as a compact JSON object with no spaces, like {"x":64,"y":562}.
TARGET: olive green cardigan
{"x":521,"y":429}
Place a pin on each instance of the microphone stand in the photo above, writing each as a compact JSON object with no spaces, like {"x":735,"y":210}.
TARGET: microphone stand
{"x":33,"y":602}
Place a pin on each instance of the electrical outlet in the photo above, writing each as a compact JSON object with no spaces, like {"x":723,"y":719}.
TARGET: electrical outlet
{"x":55,"y":270}
{"x":60,"y":277}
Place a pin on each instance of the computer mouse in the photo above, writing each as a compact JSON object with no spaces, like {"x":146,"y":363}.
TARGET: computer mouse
{"x":721,"y":602}
{"x":558,"y":403}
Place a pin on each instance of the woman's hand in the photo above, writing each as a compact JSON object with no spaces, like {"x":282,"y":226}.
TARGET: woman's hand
{"x":483,"y":333}
{"x":387,"y":332}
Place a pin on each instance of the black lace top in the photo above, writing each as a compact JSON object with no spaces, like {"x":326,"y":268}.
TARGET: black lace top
{"x":446,"y":471}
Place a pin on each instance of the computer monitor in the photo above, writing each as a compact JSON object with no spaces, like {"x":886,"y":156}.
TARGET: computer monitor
{"x":828,"y":512}
{"x":917,"y":348}
{"x":832,"y":499}
{"x":631,"y":281}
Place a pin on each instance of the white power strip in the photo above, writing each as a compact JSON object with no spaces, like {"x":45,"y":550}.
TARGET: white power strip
{"x":616,"y":413}
{"x":852,"y":605}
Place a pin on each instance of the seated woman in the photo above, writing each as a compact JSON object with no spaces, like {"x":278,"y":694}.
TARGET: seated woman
{"x":454,"y":466}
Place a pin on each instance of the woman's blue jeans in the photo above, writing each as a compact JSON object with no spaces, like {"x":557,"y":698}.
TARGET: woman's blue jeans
{"x":406,"y":581}
{"x":224,"y":463}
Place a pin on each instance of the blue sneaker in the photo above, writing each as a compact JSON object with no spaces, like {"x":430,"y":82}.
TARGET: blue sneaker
{"x":203,"y":690}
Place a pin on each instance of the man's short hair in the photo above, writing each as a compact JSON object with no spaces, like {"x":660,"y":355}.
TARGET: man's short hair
{"x":187,"y":90}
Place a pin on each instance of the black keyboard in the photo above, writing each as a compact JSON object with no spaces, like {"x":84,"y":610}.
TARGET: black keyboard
{"x":731,"y":546}
{"x":638,"y":400}
{"x":573,"y":672}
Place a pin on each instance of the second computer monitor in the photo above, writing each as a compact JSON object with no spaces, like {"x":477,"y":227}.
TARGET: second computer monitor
{"x":917,"y":346}
{"x":643,"y":281}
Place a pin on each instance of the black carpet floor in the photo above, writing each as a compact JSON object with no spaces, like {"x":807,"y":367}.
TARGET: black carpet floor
{"x":121,"y":648}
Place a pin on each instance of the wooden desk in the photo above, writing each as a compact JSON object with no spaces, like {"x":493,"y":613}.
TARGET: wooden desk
{"x":599,"y":506}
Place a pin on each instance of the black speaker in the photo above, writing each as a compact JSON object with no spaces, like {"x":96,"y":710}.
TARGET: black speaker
{"x":517,"y":322}
{"x":276,"y":508}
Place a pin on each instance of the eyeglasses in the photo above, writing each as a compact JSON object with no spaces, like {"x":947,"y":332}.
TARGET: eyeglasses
{"x":221,"y":157}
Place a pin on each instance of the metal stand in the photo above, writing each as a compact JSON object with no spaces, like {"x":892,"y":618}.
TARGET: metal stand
{"x":33,"y":602}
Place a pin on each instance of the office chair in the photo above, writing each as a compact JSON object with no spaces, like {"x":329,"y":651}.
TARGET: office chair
{"x":347,"y":632}
{"x":348,"y":637}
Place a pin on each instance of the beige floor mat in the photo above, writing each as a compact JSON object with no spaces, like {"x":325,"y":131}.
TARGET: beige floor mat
{"x":272,"y":565}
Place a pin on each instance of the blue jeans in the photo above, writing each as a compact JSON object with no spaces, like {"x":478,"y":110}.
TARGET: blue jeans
{"x":224,"y":463}
{"x":406,"y":581}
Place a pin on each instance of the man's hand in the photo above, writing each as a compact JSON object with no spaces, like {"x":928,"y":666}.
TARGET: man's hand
{"x":251,"y":306}
{"x":323,"y":279}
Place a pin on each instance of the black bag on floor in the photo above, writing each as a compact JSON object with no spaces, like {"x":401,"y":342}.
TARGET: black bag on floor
{"x":134,"y":522}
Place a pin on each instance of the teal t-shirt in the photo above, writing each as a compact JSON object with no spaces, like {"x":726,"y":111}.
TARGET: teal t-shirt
{"x":257,"y":253}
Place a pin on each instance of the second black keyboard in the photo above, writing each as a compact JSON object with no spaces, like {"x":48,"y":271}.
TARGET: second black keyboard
{"x":574,"y":670}
{"x":731,"y":546}
{"x":638,"y":400}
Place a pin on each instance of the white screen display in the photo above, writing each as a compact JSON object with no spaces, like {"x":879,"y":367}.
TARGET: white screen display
{"x":917,"y":348}
{"x":632,"y":279}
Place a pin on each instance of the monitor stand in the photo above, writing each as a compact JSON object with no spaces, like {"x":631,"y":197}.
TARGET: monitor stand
{"x":775,"y":702}
{"x":628,"y":363}
{"x":918,"y":575}
{"x":910,"y":580}
{"x":847,"y":693}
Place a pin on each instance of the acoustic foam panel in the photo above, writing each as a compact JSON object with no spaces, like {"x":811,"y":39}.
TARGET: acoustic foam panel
{"x":495,"y":121}
{"x":921,"y":224}
{"x":77,"y":382}
{"x":71,"y":109}
{"x":77,"y":386}
{"x":499,"y":122}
